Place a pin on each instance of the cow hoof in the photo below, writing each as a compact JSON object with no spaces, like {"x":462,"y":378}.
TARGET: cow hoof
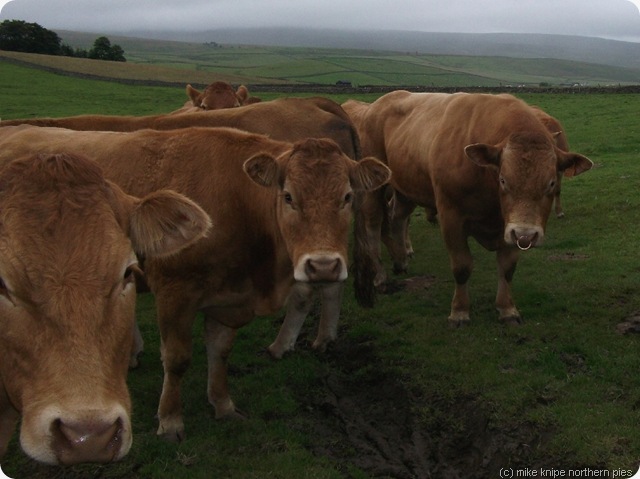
{"x":320,"y":345}
{"x":277,"y":353}
{"x":134,"y":361}
{"x":458,"y":323}
{"x":560,"y":215}
{"x":511,"y":320}
{"x":235,"y":415}
{"x":400,"y":269}
{"x":171,"y":435}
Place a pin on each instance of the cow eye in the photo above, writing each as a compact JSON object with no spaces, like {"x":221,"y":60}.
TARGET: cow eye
{"x":552,"y":184}
{"x":130,"y":272}
{"x":348,"y":198}
{"x":288,"y":199}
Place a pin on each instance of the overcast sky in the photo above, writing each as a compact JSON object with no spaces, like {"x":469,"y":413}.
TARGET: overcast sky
{"x":618,"y":19}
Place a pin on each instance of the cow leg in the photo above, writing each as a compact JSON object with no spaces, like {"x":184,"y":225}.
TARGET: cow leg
{"x":219,"y":340}
{"x":176,"y":322}
{"x":461,"y":266}
{"x":369,"y":272}
{"x":507,"y":259}
{"x":396,"y":237}
{"x":328,"y":327}
{"x":558,"y":204}
{"x":298,"y":306}
{"x":8,"y":420}
{"x":137,"y":347}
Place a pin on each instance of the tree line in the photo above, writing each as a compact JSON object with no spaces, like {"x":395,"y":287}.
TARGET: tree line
{"x":20,"y":36}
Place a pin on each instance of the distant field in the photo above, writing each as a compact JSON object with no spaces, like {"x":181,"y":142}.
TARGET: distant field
{"x":166,"y":61}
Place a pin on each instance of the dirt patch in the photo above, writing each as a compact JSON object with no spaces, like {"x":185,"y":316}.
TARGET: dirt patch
{"x":366,"y":417}
{"x":630,"y":325}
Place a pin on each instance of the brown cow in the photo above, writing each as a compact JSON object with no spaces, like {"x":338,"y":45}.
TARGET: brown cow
{"x":288,"y":119}
{"x":67,"y":301}
{"x":282,"y":213}
{"x":220,"y":95}
{"x":216,"y":96}
{"x":484,"y":163}
{"x":395,"y":204}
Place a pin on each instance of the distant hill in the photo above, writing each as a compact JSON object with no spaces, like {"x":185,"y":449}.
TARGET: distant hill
{"x":459,"y":61}
{"x":564,"y":47}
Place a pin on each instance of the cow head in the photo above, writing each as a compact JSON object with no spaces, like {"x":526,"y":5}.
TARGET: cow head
{"x":68,"y":240}
{"x":527,"y":166}
{"x":217,"y":95}
{"x":316,"y":184}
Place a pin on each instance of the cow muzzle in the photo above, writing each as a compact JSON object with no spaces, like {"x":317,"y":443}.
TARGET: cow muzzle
{"x":321,"y":267}
{"x":524,"y":237}
{"x":87,"y":441}
{"x":93,"y":435}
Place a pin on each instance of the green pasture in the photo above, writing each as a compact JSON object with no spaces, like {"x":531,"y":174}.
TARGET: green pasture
{"x":560,"y":391}
{"x":203,"y":62}
{"x":364,"y":67}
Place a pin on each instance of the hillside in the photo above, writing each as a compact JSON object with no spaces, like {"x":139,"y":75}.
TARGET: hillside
{"x":177,"y":62}
{"x":561,"y":47}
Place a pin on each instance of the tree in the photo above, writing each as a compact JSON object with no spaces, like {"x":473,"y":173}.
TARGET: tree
{"x":20,"y":36}
{"x":103,"y":50}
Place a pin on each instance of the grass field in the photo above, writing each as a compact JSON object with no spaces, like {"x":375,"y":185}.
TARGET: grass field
{"x":199,"y":62}
{"x":401,"y":395}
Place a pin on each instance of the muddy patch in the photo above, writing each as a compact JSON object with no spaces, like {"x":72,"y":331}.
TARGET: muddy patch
{"x":630,"y":325}
{"x":364,"y":416}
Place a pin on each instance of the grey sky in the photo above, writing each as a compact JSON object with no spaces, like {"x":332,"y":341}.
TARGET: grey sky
{"x":618,"y":19}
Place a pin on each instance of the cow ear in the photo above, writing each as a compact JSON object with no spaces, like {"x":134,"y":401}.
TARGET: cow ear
{"x":484,"y":155}
{"x":242,"y":94}
{"x":193,"y":95}
{"x":572,"y":164}
{"x":164,"y":222}
{"x":369,"y":174}
{"x":263,"y":169}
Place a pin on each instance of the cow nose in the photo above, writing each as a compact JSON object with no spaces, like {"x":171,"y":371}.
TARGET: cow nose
{"x":523,"y":235}
{"x":76,"y":441}
{"x":323,"y":268}
{"x":524,"y":241}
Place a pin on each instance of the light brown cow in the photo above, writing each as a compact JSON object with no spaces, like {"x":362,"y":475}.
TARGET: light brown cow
{"x":282,"y":213}
{"x":219,"y":95}
{"x":396,"y":202}
{"x":216,"y":96}
{"x":67,"y":301}
{"x":288,"y":119}
{"x":484,"y":163}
